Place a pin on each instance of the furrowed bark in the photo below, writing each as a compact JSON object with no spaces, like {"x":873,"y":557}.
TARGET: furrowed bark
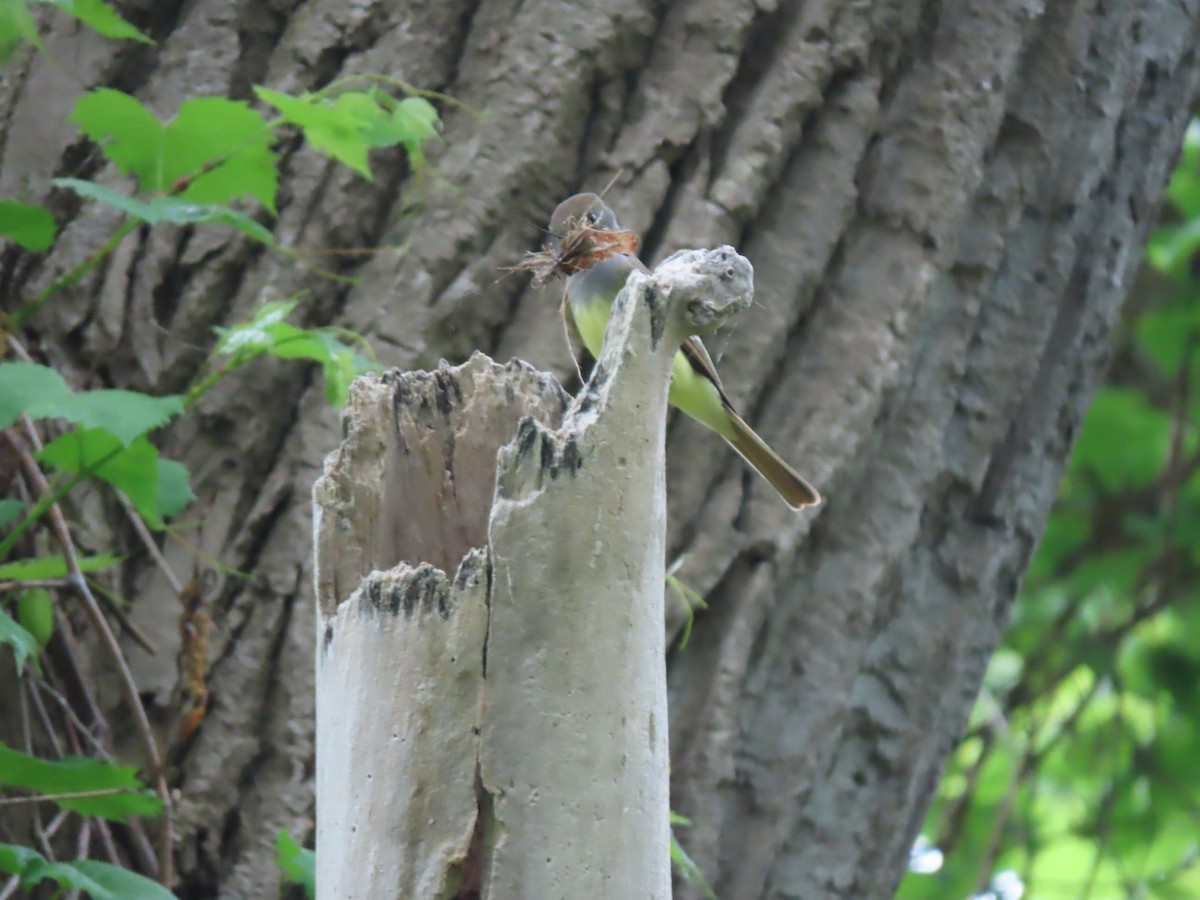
{"x":504,"y":733}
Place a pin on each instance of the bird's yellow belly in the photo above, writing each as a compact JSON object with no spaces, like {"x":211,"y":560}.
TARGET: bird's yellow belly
{"x":690,"y":391}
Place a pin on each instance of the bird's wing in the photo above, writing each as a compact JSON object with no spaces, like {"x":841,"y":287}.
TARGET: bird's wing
{"x":697,"y":356}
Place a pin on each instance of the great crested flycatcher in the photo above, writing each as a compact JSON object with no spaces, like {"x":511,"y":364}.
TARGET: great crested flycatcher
{"x":695,"y":387}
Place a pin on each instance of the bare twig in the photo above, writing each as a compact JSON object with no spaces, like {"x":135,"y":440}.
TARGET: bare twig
{"x":110,"y":847}
{"x":57,"y":822}
{"x":38,"y":830}
{"x":151,"y":545}
{"x":43,"y":715}
{"x":146,"y":856}
{"x":582,"y":247}
{"x":7,"y":586}
{"x":111,"y":602}
{"x":99,"y":729}
{"x":562,"y":315}
{"x":73,"y":795}
{"x":82,"y":849}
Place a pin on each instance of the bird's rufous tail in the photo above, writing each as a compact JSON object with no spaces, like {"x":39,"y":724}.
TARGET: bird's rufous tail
{"x":795,"y":491}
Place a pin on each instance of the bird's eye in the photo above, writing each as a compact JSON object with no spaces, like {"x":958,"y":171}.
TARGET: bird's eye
{"x":593,"y":217}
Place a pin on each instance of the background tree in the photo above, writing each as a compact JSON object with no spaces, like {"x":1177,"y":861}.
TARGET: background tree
{"x":1076,"y":776}
{"x":945,"y":204}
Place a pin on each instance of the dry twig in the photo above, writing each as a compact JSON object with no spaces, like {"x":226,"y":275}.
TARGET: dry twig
{"x":582,"y":247}
{"x":96,"y":618}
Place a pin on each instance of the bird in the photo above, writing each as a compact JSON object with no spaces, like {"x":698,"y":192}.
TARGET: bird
{"x":695,"y":386}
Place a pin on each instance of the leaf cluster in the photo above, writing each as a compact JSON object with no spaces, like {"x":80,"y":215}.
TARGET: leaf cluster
{"x":213,"y":163}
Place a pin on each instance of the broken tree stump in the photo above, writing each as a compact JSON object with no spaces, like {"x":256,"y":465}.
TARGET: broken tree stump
{"x":491,"y":685}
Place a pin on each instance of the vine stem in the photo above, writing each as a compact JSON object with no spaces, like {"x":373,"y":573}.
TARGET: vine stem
{"x":76,"y":274}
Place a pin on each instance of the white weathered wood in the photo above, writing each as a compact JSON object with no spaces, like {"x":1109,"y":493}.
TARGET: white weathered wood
{"x":400,"y":647}
{"x":504,"y":735}
{"x":575,"y":736}
{"x":398,"y":706}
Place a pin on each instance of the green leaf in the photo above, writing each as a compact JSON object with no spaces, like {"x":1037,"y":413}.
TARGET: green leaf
{"x":101,"y":18}
{"x":1003,"y":671}
{"x":289,"y":342}
{"x":174,"y":210}
{"x":174,"y":488}
{"x":1172,"y":247}
{"x":14,"y":859}
{"x":10,"y":511}
{"x":1124,"y":440}
{"x":123,"y":414}
{"x":29,"y":225}
{"x":101,"y":881}
{"x":16,"y":24}
{"x":338,"y":128}
{"x":412,"y":122}
{"x":132,"y":469}
{"x":232,"y":135}
{"x":1066,"y":530}
{"x":35,"y":611}
{"x":688,"y":870}
{"x":214,"y":152}
{"x":339,"y":363}
{"x":118,"y":883}
{"x":40,"y":392}
{"x":255,"y":336}
{"x":183,"y":212}
{"x":23,"y":643}
{"x":691,"y":601}
{"x":299,"y":865}
{"x":339,"y":370}
{"x":129,"y":134}
{"x":1165,"y":334}
{"x":342,"y":366}
{"x":44,"y":568}
{"x":30,"y":388}
{"x":78,"y":774}
{"x":267,"y":332}
{"x":1184,"y":189}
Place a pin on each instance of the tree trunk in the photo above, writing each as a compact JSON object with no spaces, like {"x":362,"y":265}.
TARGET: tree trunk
{"x":944,"y":204}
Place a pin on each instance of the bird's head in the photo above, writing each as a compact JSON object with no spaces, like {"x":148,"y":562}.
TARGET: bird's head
{"x":586,"y":210}
{"x":583,"y":232}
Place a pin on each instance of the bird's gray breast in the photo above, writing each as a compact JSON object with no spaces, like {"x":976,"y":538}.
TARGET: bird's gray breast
{"x":601,"y":282}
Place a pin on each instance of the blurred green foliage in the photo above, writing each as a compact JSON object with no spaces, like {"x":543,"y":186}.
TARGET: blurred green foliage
{"x":1079,"y":775}
{"x":213,"y":163}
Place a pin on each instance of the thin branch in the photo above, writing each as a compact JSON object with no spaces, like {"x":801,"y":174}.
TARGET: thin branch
{"x":100,"y":730}
{"x":82,"y":850}
{"x":7,"y":586}
{"x":137,"y":832}
{"x":151,"y":545}
{"x":43,"y":715}
{"x":98,"y":621}
{"x":995,"y":839}
{"x":72,"y":795}
{"x":111,"y":602}
{"x":27,"y":731}
{"x":76,"y":274}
